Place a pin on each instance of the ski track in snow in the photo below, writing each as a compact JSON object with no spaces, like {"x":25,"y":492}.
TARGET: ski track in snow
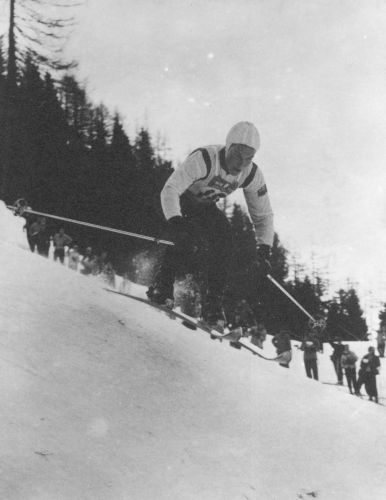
{"x":106,"y":398}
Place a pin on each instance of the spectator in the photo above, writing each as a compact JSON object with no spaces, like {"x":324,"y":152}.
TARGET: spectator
{"x":318,"y":327}
{"x":29,"y":220}
{"x":32,"y":233}
{"x":348,"y":362}
{"x":20,"y":206}
{"x":368,"y":371}
{"x":38,"y":237}
{"x":311,"y":346}
{"x":335,"y":357}
{"x":88,"y":262}
{"x":43,"y":238}
{"x":61,"y":240}
{"x":73,"y":258}
{"x":258,"y":334}
{"x":381,"y":340}
{"x":282,"y":342}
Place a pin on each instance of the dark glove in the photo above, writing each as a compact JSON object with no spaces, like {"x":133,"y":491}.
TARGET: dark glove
{"x":184,"y":234}
{"x":262,"y":259}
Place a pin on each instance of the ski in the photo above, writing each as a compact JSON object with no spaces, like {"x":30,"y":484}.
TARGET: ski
{"x":231,"y":335}
{"x":247,"y":344}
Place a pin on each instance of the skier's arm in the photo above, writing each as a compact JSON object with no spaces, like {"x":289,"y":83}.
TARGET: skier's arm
{"x":192,"y":169}
{"x":260,"y":210}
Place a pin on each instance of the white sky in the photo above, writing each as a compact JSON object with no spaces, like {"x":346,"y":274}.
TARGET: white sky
{"x":106,"y":398}
{"x":310,"y":74}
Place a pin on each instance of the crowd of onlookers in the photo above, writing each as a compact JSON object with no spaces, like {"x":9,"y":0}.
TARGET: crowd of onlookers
{"x":345,"y":363}
{"x":66,"y":251}
{"x":343,"y":358}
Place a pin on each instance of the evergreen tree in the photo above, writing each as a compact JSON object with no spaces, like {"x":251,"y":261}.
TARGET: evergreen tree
{"x":144,"y":152}
{"x":77,"y":111}
{"x":279,"y":260}
{"x":309,"y":296}
{"x":345,"y":317}
{"x":382,"y":317}
{"x":34,"y":33}
{"x":34,"y":28}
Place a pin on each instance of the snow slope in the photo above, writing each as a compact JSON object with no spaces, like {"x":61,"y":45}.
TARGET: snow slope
{"x":107,"y":398}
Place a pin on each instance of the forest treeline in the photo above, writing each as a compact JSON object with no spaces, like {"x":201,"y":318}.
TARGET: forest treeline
{"x":72,"y":158}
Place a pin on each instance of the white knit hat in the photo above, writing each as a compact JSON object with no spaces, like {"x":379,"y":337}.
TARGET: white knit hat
{"x":243,"y":133}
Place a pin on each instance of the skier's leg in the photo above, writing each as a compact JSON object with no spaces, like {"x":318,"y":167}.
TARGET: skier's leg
{"x":219,"y":237}
{"x":176,"y":262}
{"x":161,"y":291}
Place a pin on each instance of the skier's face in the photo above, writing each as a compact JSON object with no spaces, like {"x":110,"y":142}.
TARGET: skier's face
{"x":238,"y":157}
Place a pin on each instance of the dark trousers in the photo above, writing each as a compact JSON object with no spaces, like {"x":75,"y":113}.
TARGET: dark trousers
{"x":33,"y":242}
{"x":214,"y":236}
{"x":338,"y":369}
{"x":370,"y":382}
{"x":351,"y":376}
{"x":59,"y":254}
{"x":311,"y":366}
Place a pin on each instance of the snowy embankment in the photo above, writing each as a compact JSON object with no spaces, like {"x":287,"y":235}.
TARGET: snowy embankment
{"x":106,"y":398}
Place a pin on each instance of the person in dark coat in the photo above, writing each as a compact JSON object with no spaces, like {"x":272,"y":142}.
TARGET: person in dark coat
{"x":38,"y":236}
{"x":310,"y":346}
{"x":335,"y":357}
{"x":282,"y":342}
{"x":368,"y":372}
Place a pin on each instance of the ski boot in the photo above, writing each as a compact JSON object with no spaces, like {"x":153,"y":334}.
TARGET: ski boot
{"x":161,"y":294}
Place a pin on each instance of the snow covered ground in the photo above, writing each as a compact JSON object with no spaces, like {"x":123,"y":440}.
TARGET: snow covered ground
{"x":103,"y":397}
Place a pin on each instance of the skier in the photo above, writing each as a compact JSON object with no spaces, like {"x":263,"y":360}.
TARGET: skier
{"x":348,"y":361}
{"x":188,"y":202}
{"x":368,"y":371}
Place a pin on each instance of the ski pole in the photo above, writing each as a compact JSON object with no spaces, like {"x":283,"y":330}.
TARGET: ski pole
{"x":95,"y":226}
{"x":272,"y":279}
